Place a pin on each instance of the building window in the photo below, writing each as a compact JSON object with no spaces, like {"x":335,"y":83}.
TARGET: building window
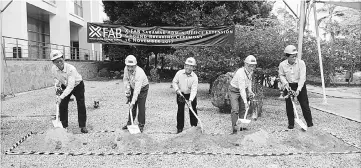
{"x":78,"y":7}
{"x":39,"y":38}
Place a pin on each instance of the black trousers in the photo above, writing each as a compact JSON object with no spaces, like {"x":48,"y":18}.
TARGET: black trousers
{"x":180,"y":112}
{"x":303,"y":100}
{"x":140,"y":103}
{"x":78,"y":92}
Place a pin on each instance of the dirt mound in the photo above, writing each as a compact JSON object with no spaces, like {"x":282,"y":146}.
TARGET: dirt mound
{"x":316,"y":140}
{"x":191,"y":139}
{"x":57,"y":138}
{"x":257,"y":139}
{"x":126,"y":142}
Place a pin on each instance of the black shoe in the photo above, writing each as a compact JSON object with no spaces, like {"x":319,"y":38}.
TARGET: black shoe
{"x":125,"y":127}
{"x":234,"y":131}
{"x":179,"y":131}
{"x":141,"y":129}
{"x":83,"y":130}
{"x":290,"y":127}
{"x":242,"y":129}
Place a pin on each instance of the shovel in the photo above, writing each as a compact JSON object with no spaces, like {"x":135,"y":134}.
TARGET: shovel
{"x":133,"y":129}
{"x":298,"y":121}
{"x":245,"y":120}
{"x":56,"y":122}
{"x":190,"y":107}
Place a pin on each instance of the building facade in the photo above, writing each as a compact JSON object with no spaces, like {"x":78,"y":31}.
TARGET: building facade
{"x":32,"y":28}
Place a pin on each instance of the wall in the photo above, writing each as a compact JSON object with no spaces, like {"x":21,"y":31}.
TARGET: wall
{"x":23,"y":75}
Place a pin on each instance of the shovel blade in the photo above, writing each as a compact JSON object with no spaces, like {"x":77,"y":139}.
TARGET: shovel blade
{"x":244,"y":121}
{"x":133,"y":129}
{"x":301,"y":124}
{"x":57,"y":124}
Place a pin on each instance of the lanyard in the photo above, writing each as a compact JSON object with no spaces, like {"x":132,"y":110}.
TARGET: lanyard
{"x":247,"y":74}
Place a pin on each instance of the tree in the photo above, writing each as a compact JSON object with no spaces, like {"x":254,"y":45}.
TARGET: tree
{"x":343,"y":25}
{"x":178,"y":13}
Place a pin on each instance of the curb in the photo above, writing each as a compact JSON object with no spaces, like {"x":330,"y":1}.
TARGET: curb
{"x":329,"y":112}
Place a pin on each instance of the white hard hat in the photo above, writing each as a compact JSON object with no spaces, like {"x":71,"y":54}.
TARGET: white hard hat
{"x":130,"y":60}
{"x":250,"y":59}
{"x":190,"y":61}
{"x":290,"y":49}
{"x":55,"y":54}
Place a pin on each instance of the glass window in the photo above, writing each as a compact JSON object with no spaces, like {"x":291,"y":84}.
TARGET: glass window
{"x":39,"y":38}
{"x":78,"y":8}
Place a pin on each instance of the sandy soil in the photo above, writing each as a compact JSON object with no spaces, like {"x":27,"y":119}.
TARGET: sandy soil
{"x":34,"y":111}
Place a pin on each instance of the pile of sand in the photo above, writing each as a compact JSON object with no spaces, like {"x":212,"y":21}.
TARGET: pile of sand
{"x":57,"y":138}
{"x":126,"y":142}
{"x":257,"y":139}
{"x":316,"y":140}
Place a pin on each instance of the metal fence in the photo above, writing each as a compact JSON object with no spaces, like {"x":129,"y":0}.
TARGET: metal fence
{"x":21,"y":48}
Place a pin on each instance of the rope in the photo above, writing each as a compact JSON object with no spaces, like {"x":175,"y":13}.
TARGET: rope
{"x":19,"y":142}
{"x":179,"y":153}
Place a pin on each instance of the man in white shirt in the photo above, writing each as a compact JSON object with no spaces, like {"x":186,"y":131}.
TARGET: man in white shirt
{"x":68,"y":82}
{"x":136,"y":89}
{"x":292,"y":73}
{"x":185,"y":83}
{"x":241,"y":81}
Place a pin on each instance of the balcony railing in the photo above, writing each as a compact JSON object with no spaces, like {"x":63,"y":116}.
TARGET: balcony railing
{"x":28,"y":49}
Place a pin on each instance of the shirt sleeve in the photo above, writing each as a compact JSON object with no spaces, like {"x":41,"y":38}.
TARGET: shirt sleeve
{"x":302,"y":79}
{"x":126,"y":80}
{"x":176,"y":81}
{"x":139,"y":78}
{"x":242,"y":86}
{"x":71,"y":83}
{"x":194,"y":88}
{"x":282,"y":75}
{"x":56,"y":81}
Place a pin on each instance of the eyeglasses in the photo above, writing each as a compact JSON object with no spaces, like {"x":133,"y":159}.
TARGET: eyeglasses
{"x":57,"y":61}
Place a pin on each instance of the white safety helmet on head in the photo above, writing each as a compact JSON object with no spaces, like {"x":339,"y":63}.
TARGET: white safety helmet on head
{"x":191,"y":61}
{"x":130,"y":60}
{"x":290,"y":49}
{"x":55,"y":54}
{"x":250,"y":60}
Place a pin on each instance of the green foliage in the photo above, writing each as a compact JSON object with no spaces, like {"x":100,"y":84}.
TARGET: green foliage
{"x":177,"y":13}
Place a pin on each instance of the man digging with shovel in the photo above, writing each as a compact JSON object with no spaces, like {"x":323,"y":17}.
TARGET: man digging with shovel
{"x":136,"y":90}
{"x":241,"y":81}
{"x":292,"y":73}
{"x":68,"y":82}
{"x":185,"y":83}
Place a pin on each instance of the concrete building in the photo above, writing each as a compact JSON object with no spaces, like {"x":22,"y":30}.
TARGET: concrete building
{"x":31,"y":28}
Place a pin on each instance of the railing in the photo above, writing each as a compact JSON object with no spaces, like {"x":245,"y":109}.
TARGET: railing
{"x":28,"y":49}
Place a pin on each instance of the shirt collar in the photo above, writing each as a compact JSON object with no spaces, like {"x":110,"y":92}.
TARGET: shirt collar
{"x":293,"y":63}
{"x":135,"y":70}
{"x":64,"y":70}
{"x":190,"y":75}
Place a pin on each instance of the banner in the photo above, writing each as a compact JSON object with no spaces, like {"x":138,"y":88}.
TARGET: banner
{"x":159,"y":36}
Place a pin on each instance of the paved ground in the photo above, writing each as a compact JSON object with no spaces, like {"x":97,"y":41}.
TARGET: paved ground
{"x":341,"y":101}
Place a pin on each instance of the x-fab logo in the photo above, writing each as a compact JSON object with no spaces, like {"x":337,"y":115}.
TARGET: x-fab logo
{"x":95,"y":31}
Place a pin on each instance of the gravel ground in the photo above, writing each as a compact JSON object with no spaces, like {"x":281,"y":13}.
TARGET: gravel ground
{"x":33,"y":111}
